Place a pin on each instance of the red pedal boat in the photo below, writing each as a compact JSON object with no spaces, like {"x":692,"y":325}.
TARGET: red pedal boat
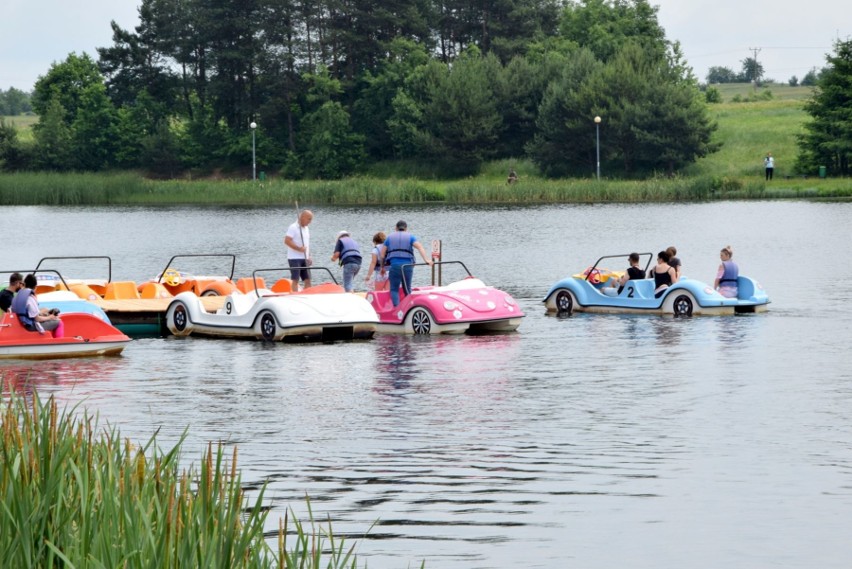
{"x":85,"y":335}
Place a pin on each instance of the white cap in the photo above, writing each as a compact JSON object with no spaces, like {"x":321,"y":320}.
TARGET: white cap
{"x":342,"y":233}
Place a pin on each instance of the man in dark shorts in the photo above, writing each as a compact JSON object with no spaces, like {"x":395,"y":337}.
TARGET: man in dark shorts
{"x":298,"y":242}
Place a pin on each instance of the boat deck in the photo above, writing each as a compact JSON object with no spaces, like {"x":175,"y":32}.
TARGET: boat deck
{"x":146,"y":316}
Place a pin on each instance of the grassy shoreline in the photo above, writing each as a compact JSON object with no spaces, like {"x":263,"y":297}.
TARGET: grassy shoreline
{"x":123,"y":189}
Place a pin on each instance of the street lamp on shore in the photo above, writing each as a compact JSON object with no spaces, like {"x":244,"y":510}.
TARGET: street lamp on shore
{"x":253,"y":126}
{"x":598,"y":144}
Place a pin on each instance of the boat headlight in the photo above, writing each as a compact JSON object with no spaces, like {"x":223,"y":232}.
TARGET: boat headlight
{"x":509,"y":300}
{"x":490,"y":304}
{"x":457,"y":314}
{"x":449,"y":305}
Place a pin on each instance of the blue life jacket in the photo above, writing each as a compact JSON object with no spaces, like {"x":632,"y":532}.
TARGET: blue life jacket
{"x":19,"y":307}
{"x":399,"y":247}
{"x":730,"y":274}
{"x":351,"y":253}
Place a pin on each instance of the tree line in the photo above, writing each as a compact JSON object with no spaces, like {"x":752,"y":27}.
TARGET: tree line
{"x":752,"y":72}
{"x":336,"y":85}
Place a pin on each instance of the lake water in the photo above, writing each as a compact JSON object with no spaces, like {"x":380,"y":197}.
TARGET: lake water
{"x":592,"y":441}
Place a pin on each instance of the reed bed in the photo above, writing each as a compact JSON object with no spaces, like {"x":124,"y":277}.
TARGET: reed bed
{"x":131,"y":189}
{"x":75,"y":496}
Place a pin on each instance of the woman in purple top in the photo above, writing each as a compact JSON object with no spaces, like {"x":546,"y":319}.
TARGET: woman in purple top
{"x":726,"y":276}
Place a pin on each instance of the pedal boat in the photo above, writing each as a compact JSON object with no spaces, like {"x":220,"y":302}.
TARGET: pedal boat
{"x":463,"y":306}
{"x":85,"y":335}
{"x":593,"y":291}
{"x":320,"y":313}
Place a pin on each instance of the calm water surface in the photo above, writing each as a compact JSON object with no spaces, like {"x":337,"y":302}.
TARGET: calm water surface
{"x":591,"y":441}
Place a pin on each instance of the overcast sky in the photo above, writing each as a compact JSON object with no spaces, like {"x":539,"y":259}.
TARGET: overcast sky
{"x":792,"y":36}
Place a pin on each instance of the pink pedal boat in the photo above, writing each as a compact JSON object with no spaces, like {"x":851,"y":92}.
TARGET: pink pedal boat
{"x":463,"y":306}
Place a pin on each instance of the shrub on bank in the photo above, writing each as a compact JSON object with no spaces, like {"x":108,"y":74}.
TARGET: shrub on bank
{"x":74,"y":496}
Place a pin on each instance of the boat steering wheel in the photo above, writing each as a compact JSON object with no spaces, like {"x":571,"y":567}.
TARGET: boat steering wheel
{"x":593,"y":275}
{"x":171,"y":277}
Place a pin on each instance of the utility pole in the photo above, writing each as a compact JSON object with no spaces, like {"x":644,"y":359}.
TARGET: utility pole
{"x":756,"y":50}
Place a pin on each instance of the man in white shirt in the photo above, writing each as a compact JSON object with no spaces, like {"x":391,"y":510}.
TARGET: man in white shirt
{"x":298,"y":242}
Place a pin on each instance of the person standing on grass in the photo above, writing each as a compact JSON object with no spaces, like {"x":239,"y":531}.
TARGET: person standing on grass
{"x":298,"y":242}
{"x":769,"y":165}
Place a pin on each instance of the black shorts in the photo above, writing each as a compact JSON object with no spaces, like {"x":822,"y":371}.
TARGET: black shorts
{"x":298,"y":269}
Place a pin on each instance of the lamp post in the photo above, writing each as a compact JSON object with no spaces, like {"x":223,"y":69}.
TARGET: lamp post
{"x":253,"y":126}
{"x":598,"y":144}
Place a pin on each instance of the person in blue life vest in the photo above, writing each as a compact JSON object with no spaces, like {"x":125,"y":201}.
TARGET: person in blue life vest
{"x":398,"y":249}
{"x":33,"y":317}
{"x":346,"y":250}
{"x":726,"y":276}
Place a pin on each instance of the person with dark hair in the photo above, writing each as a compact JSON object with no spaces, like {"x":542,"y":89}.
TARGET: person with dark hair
{"x":769,"y":166}
{"x":664,"y":275}
{"x":633,"y":272}
{"x":398,"y":250}
{"x":16,"y":283}
{"x":35,"y":319}
{"x":377,"y":270}
{"x":674,"y":262}
{"x":726,"y":276}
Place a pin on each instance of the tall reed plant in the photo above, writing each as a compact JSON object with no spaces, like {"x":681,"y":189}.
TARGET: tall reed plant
{"x":74,"y":496}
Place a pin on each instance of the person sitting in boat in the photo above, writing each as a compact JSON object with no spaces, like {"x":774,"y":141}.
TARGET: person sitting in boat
{"x":726,"y":276}
{"x":35,"y":319}
{"x":664,"y":275}
{"x":633,"y":272}
{"x":346,"y":251}
{"x":674,"y":262}
{"x":16,"y":283}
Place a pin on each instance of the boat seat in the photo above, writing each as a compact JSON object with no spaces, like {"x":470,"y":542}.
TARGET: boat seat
{"x":382,"y":300}
{"x":282,"y":285}
{"x":121,"y":290}
{"x":85,"y":292}
{"x":644,"y":288}
{"x":246,"y":284}
{"x":239,"y":304}
{"x":745,"y":288}
{"x":153,"y":290}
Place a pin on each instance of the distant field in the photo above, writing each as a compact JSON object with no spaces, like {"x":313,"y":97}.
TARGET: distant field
{"x":23,"y":123}
{"x":749,"y":130}
{"x":779,"y":91}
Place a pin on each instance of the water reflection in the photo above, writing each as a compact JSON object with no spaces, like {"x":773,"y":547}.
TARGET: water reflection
{"x":591,"y":441}
{"x":395,"y":364}
{"x":48,"y":376}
